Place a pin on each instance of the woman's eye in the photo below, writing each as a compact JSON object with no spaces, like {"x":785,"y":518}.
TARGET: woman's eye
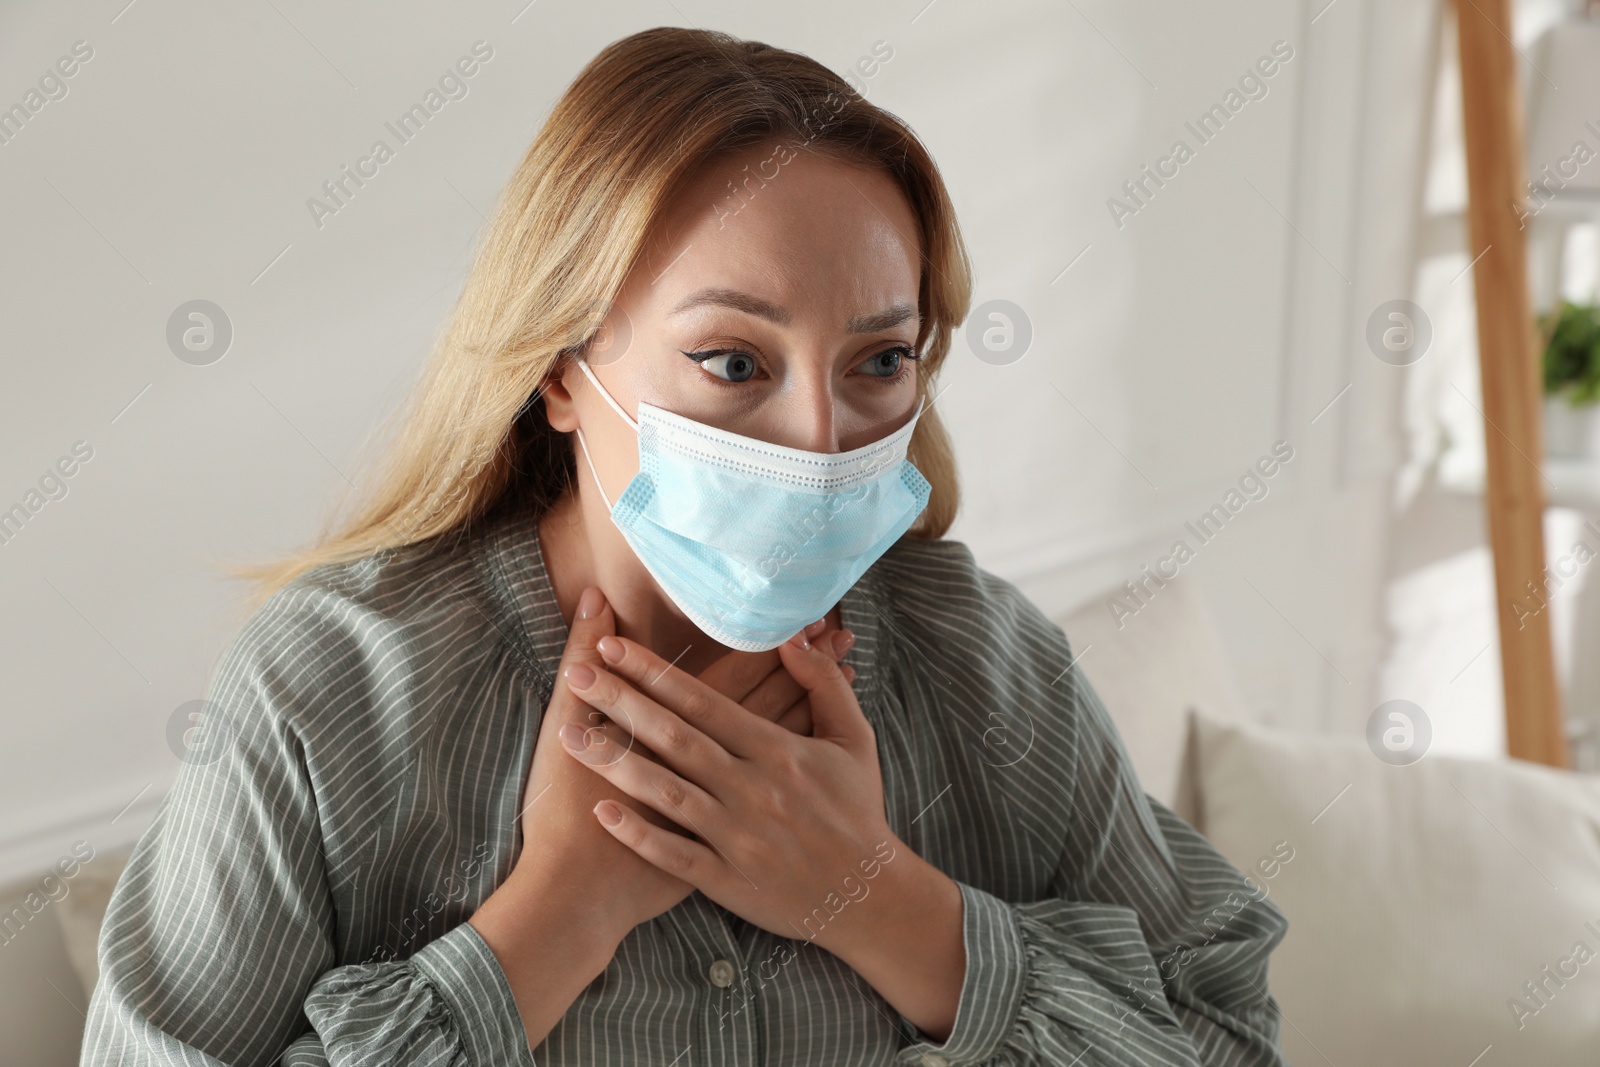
{"x":886,"y":364}
{"x":729,"y":366}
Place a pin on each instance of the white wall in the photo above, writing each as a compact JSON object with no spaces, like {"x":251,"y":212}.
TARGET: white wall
{"x":1168,"y":353}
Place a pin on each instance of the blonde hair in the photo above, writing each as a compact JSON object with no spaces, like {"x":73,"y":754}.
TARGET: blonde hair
{"x":639,"y":120}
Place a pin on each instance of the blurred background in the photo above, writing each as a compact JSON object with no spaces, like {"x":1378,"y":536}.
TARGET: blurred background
{"x":206,"y":320}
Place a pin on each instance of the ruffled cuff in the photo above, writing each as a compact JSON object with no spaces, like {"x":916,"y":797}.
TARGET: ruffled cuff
{"x":449,"y":1003}
{"x":991,"y":989}
{"x":1044,"y":979}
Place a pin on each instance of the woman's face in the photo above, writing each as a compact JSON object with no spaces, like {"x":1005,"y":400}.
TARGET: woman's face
{"x":782,"y":307}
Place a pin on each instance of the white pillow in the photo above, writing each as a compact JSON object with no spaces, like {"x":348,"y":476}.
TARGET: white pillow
{"x":1420,"y":898}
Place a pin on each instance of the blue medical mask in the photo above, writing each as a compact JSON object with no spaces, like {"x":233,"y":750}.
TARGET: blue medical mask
{"x":755,"y":541}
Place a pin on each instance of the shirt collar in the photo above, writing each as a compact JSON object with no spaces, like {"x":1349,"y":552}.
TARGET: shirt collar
{"x":524,"y":601}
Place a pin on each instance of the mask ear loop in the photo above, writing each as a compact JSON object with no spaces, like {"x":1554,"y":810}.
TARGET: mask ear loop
{"x":592,"y":471}
{"x":583,"y":365}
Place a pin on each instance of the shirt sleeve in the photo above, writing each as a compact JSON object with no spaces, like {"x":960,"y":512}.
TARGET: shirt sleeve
{"x":217,"y":946}
{"x":1152,"y":948}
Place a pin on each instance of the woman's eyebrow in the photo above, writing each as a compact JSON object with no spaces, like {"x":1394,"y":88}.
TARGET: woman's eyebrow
{"x":882,"y":320}
{"x":766,"y":309}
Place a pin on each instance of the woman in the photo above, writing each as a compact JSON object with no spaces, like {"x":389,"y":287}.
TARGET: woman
{"x":644,"y":715}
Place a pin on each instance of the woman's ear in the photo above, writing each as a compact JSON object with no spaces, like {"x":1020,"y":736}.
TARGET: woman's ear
{"x":559,"y":408}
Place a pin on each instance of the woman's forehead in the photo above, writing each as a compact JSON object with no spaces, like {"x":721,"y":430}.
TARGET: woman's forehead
{"x":817,"y":231}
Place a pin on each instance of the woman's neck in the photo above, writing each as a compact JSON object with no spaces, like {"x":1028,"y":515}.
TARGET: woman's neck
{"x":581,"y":550}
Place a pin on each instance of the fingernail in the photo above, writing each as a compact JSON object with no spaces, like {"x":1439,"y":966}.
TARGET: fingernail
{"x":842,"y":642}
{"x":800,"y":639}
{"x":579,"y":675}
{"x":816,"y":628}
{"x":572,"y":735}
{"x":610,"y":649}
{"x":590,"y":603}
{"x":608,"y":813}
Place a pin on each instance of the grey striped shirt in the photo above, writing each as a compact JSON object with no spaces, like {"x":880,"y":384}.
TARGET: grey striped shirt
{"x":352,"y":797}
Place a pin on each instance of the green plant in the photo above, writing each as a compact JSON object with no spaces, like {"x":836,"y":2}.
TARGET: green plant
{"x":1572,"y":352}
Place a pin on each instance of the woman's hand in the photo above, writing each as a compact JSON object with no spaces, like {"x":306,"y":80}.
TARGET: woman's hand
{"x":573,"y":866}
{"x":562,"y":842}
{"x":575,"y":892}
{"x":788,"y":826}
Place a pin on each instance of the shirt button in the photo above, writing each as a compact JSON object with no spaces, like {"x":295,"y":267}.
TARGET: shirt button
{"x":933,"y":1059}
{"x":721,"y":974}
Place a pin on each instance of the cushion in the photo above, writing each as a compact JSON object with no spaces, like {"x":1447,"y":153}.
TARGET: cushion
{"x":1435,"y":909}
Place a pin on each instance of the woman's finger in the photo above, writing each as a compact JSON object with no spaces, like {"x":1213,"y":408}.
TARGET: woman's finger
{"x":774,"y":696}
{"x":835,"y":712}
{"x":639,"y":684}
{"x":777,"y":693}
{"x":680,"y":856}
{"x":606,"y":739}
{"x":796,"y":718}
{"x":592,"y":621}
{"x":677,"y":737}
{"x":648,"y":782}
